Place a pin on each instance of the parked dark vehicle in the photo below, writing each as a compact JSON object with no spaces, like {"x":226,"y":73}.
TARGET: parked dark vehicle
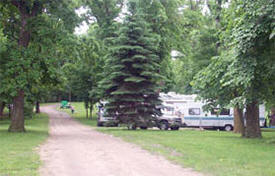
{"x":103,"y":119}
{"x":165,"y":122}
{"x":168,"y":120}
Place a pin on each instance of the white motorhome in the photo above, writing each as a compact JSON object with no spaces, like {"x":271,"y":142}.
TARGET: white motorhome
{"x":193,"y":115}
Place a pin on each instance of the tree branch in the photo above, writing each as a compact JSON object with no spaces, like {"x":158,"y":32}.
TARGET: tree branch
{"x":15,"y":3}
{"x":35,"y":9}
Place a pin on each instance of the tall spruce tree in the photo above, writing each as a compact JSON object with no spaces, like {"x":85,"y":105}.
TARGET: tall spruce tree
{"x":133,"y":85}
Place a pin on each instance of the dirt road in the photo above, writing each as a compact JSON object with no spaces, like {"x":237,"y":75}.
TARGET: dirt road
{"x":74,"y":149}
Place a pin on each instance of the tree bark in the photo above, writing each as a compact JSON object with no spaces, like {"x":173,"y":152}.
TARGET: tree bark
{"x":37,"y":107}
{"x":218,"y":15}
{"x":91,"y":111}
{"x":238,"y":121}
{"x":87,"y":113}
{"x":70,"y":95}
{"x":271,"y":118}
{"x":2,"y":106}
{"x":59,"y":97}
{"x":26,"y":12}
{"x":86,"y":104}
{"x":17,"y":119}
{"x":191,"y":5}
{"x":252,"y":129}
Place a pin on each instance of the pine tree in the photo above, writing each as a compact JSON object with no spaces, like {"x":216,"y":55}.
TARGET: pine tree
{"x":133,"y":89}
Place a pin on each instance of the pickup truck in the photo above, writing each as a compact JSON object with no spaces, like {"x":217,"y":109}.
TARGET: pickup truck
{"x":167,"y":120}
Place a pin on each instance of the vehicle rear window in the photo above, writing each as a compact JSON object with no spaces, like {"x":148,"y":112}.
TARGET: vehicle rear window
{"x":194,"y":111}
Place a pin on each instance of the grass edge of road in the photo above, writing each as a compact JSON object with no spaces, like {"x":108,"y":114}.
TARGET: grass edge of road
{"x":216,"y":153}
{"x":19,"y":154}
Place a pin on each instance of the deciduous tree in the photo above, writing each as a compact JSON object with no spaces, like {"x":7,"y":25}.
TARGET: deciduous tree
{"x":23,"y":22}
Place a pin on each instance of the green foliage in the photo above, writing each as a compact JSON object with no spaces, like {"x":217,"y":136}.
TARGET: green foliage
{"x":165,"y":20}
{"x":245,"y":70}
{"x":253,"y":67}
{"x":132,"y":90}
{"x":104,"y":12}
{"x":3,"y":41}
{"x":28,"y":110}
{"x":36,"y":65}
{"x":244,"y":73}
{"x":200,"y":38}
{"x":33,"y":68}
{"x":210,"y":82}
{"x":84,"y":73}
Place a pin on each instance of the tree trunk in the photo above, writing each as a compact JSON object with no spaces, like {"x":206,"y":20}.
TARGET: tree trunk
{"x":70,"y":95}
{"x":91,"y":111}
{"x":59,"y":97}
{"x":218,"y":15}
{"x":17,"y":119}
{"x":37,"y":107}
{"x":10,"y":111}
{"x":252,"y":129}
{"x":87,"y":113}
{"x":191,"y":5}
{"x":2,"y":106}
{"x":271,"y":117}
{"x":238,"y":121}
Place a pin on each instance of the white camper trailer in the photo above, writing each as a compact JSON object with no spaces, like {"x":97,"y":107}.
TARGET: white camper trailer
{"x":193,"y":115}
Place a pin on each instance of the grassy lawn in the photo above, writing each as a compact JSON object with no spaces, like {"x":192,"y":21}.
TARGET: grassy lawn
{"x":212,"y":152}
{"x":17,"y":150}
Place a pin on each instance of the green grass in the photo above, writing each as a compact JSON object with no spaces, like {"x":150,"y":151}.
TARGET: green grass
{"x":18,"y":155}
{"x":216,"y":153}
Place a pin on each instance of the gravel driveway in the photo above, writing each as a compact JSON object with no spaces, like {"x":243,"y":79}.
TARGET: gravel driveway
{"x":73,"y":149}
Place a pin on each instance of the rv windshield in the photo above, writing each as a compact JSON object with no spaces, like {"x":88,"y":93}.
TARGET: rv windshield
{"x":166,"y":110}
{"x":103,"y":112}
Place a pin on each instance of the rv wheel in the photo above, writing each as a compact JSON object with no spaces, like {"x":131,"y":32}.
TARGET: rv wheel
{"x":132,"y":126}
{"x":163,"y":125}
{"x":99,"y":124}
{"x":175,"y":128}
{"x":228,"y":128}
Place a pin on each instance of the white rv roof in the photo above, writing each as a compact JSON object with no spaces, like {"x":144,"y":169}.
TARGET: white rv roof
{"x":172,"y":96}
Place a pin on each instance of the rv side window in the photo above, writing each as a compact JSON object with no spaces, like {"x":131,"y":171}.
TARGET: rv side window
{"x":215,"y":111}
{"x":194,"y":111}
{"x":225,"y":112}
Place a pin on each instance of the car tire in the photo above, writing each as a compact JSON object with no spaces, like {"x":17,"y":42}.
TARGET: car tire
{"x":228,"y":128}
{"x":175,"y":128}
{"x":99,"y":124}
{"x":163,"y":125}
{"x":132,"y":126}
